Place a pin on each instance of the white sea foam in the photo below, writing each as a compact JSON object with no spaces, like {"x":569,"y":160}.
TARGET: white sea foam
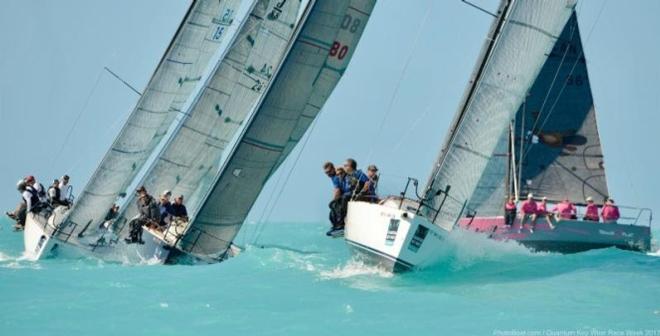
{"x":353,"y":268}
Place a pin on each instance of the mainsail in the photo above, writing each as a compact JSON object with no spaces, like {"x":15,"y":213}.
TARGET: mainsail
{"x":561,"y":153}
{"x":190,"y":160}
{"x":314,"y":66}
{"x":197,"y":44}
{"x":517,"y":46}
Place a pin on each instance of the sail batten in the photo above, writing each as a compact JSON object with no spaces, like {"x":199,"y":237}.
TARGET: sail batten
{"x":521,"y":38}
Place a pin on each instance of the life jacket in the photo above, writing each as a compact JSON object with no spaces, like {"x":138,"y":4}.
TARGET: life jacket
{"x":34,"y":197}
{"x":55,"y":198}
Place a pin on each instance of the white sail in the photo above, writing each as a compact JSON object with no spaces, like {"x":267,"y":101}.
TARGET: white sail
{"x":189,"y":161}
{"x":521,"y":38}
{"x":197,"y":45}
{"x":313,"y":68}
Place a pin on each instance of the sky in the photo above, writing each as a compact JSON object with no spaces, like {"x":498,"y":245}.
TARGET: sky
{"x":59,"y":111}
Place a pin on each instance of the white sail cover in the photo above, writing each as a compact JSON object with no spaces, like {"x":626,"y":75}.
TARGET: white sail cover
{"x":189,"y":162}
{"x":522,"y":37}
{"x":197,"y":41}
{"x":312,"y":69}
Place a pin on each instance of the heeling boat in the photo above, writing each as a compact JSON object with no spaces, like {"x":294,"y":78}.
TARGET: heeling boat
{"x":319,"y":57}
{"x":403,"y":233}
{"x":200,"y":42}
{"x":555,"y":152}
{"x":190,"y":161}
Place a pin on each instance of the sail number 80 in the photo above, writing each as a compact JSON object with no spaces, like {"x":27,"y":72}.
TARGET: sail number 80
{"x":338,"y":50}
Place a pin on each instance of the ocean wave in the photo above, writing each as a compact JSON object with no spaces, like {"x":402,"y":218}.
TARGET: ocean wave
{"x":354,"y":268}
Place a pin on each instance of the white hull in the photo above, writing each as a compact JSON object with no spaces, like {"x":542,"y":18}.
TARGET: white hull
{"x":108,"y":247}
{"x":394,"y":238}
{"x":37,"y":236}
{"x":41,"y":240}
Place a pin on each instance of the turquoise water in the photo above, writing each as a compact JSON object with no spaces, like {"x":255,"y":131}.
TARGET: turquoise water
{"x":480,"y":288}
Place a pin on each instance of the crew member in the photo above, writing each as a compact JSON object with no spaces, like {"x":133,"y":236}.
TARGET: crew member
{"x":178,"y":209}
{"x":355,"y":177}
{"x":610,"y":212}
{"x":54,"y":194}
{"x":335,"y":204}
{"x":368,"y":193}
{"x":19,"y":212}
{"x":591,"y":213}
{"x":149,"y":215}
{"x":510,"y":210}
{"x":65,"y":190}
{"x":529,"y":210}
{"x":565,"y":209}
{"x":542,"y":211}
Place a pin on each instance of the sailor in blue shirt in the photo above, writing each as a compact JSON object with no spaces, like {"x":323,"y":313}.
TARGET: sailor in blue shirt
{"x":356,"y":178}
{"x":337,"y":204}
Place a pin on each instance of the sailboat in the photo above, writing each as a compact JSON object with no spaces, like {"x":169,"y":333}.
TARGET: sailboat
{"x":406,"y":232}
{"x":264,"y":94}
{"x":200,"y":42}
{"x":553,"y":150}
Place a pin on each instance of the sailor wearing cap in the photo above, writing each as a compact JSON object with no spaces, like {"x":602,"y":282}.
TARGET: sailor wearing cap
{"x":591,"y":213}
{"x":529,"y":209}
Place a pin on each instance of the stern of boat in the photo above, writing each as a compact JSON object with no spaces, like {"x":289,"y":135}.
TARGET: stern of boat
{"x":38,"y":234}
{"x":392,"y":237}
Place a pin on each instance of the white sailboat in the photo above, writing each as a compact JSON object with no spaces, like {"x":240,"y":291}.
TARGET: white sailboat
{"x":270,"y":82}
{"x":201,"y":40}
{"x":403,"y":233}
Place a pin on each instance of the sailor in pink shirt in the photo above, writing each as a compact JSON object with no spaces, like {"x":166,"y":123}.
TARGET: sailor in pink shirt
{"x":510,"y":211}
{"x":542,"y":211}
{"x":591,"y":213}
{"x":528,"y":210}
{"x":610,"y":212}
{"x":565,"y":209}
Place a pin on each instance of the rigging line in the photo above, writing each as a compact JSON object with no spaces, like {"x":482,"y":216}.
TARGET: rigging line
{"x":77,"y":119}
{"x":577,"y":60}
{"x":286,"y":180}
{"x":552,"y":84}
{"x":412,"y":126}
{"x":280,"y":174}
{"x":123,"y":81}
{"x":400,"y":79}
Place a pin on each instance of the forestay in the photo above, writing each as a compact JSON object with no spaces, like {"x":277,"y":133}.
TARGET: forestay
{"x":561,"y":153}
{"x":189,"y":162}
{"x":517,"y":47}
{"x":315,"y":64}
{"x":196,"y":45}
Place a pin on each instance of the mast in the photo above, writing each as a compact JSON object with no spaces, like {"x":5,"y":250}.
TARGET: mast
{"x":512,"y":161}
